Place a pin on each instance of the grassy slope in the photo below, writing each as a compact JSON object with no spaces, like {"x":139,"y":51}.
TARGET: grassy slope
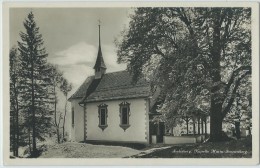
{"x":230,"y":149}
{"x":83,"y":150}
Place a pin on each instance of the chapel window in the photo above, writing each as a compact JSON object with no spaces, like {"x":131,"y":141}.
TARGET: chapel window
{"x":124,"y":115}
{"x":102,"y":115}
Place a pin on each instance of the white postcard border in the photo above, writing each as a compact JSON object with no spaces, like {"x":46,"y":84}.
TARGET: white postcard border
{"x":129,"y":161}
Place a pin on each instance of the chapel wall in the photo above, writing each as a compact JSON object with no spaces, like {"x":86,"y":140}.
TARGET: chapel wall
{"x":77,"y":131}
{"x":136,"y":133}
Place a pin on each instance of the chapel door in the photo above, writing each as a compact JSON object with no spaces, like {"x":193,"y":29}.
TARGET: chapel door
{"x":153,"y":127}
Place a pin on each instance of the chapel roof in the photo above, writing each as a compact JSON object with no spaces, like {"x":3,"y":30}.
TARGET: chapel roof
{"x":112,"y":86}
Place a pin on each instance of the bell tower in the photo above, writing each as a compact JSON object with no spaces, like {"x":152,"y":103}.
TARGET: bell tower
{"x":100,"y":66}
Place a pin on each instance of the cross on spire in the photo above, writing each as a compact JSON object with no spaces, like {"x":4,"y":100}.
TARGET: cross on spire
{"x":99,"y":22}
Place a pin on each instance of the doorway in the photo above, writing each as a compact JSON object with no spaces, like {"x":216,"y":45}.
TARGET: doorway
{"x":158,"y":129}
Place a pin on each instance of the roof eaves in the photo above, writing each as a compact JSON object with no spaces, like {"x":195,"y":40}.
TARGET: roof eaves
{"x":74,"y":96}
{"x":114,"y":98}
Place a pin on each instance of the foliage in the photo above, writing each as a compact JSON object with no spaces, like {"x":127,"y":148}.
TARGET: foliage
{"x":14,"y":100}
{"x":59,"y":83}
{"x":56,"y":78}
{"x":188,"y":52}
{"x":35,"y":82}
{"x":241,"y":109}
{"x":65,"y":87}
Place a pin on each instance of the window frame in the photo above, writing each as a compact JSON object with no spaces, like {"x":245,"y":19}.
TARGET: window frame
{"x":121,"y":106}
{"x":100,"y":107}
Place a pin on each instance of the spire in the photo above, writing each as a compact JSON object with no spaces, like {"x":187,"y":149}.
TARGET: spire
{"x":100,"y":66}
{"x":99,"y":61}
{"x":99,"y":33}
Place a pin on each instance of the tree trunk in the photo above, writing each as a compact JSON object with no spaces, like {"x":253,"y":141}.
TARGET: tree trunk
{"x":58,"y":134}
{"x":237,"y":127}
{"x":13,"y":135}
{"x":171,"y":130}
{"x":202,"y":127}
{"x":17,"y":128}
{"x":29,"y":140}
{"x":55,"y":113}
{"x":206,"y":126}
{"x":29,"y":131}
{"x":215,"y":121}
{"x":216,"y":100}
{"x":198,"y":126}
{"x":34,"y":152}
{"x":187,"y":124}
{"x":34,"y":133}
{"x":15,"y":121}
{"x":194,"y":127}
{"x":64,"y":119}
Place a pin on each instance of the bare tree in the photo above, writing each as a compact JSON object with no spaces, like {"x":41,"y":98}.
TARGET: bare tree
{"x":65,"y":87}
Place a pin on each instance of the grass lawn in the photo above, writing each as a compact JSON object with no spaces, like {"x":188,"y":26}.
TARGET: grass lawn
{"x":84,"y":150}
{"x":230,"y":149}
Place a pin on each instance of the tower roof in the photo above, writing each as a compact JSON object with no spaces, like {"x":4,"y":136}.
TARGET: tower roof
{"x":99,"y":61}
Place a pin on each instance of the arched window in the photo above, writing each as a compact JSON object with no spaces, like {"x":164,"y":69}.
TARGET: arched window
{"x":102,"y":115}
{"x":124,"y":114}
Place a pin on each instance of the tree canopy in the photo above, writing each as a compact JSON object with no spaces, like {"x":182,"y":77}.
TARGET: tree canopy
{"x":188,"y":52}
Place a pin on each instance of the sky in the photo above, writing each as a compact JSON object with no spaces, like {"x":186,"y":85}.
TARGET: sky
{"x":71,"y":37}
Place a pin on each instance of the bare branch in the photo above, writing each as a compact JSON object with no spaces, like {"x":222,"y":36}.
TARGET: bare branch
{"x":231,"y":100}
{"x":234,"y":75}
{"x":158,"y":51}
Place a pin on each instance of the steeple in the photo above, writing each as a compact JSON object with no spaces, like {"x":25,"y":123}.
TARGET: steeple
{"x":100,"y":67}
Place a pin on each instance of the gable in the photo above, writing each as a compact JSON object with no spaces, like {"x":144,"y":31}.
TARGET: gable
{"x":81,"y":91}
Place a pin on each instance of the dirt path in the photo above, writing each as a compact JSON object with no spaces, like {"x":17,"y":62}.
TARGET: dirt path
{"x":82,"y":150}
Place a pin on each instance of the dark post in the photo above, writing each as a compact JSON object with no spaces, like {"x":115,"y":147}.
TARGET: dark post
{"x":202,"y":127}
{"x":187,"y":124}
{"x":237,"y":127}
{"x":198,"y":125}
{"x":194,"y":126}
{"x":205,"y":125}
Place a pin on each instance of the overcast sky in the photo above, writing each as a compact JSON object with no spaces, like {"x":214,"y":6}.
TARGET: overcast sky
{"x":71,"y":37}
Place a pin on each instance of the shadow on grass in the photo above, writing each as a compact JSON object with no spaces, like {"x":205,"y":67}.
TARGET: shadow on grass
{"x":137,"y":146}
{"x":225,"y":149}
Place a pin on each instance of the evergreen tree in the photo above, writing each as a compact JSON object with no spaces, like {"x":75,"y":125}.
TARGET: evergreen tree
{"x":14,"y":100}
{"x":35,"y":82}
